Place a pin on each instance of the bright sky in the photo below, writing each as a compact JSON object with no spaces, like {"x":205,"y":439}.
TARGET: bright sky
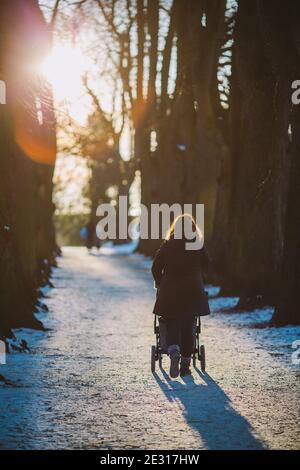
{"x":64,"y":68}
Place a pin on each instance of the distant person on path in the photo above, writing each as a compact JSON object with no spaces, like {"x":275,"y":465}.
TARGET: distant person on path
{"x":181,"y":297}
{"x":91,"y":236}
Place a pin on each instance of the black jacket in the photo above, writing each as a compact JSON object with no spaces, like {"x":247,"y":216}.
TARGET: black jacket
{"x":178,"y":274}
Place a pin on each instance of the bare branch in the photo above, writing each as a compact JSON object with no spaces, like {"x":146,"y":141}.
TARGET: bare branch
{"x":109,"y":18}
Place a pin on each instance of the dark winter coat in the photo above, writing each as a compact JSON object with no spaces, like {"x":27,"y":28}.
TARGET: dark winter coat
{"x":178,"y":274}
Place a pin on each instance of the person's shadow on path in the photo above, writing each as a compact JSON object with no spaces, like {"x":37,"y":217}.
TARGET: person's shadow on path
{"x":208,"y":410}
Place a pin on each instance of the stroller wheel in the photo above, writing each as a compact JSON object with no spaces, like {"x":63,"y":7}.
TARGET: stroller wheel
{"x":194,"y":359}
{"x":153,"y":358}
{"x":160,"y":360}
{"x":202,"y":358}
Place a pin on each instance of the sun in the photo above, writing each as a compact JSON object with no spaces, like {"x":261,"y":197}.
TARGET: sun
{"x":64,"y":68}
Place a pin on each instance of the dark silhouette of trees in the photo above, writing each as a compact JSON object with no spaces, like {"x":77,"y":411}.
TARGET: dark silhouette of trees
{"x":185,"y":124}
{"x":28,"y":148}
{"x":286,"y":311}
{"x":257,"y":184}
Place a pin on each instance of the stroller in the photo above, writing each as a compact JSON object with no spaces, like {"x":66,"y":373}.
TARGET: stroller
{"x":161,"y":348}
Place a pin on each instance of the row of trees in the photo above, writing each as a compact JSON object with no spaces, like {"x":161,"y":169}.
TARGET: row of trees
{"x":27,"y":156}
{"x":167,"y":93}
{"x":206,"y":89}
{"x":257,"y":231}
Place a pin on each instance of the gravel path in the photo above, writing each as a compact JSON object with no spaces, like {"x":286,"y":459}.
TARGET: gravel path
{"x":87,"y":381}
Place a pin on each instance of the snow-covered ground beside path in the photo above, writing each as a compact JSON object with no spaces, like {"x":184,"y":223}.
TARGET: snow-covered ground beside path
{"x":86,"y":382}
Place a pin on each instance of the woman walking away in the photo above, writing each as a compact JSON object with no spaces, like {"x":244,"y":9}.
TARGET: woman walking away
{"x":177,"y":273}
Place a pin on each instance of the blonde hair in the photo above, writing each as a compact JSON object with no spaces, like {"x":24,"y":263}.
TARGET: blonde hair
{"x":181,"y":219}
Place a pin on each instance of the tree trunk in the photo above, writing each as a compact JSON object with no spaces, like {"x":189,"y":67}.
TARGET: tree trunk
{"x":287,"y":308}
{"x":28,"y":148}
{"x":255,"y":180}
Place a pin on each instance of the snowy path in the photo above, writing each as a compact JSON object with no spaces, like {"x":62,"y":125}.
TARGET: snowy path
{"x":87,"y":382}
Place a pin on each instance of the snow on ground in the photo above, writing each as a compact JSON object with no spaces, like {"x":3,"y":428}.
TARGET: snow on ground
{"x":277,"y":341}
{"x":86,"y":383}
